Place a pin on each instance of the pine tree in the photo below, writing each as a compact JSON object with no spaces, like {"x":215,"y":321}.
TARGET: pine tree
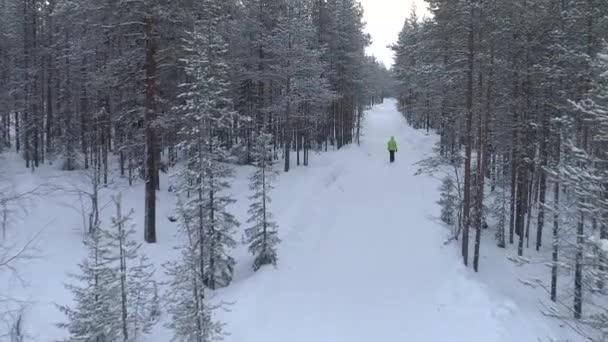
{"x":94,"y":316}
{"x":448,"y":201}
{"x":262,"y":236}
{"x":207,"y":118}
{"x":117,"y":300}
{"x":220,"y":223}
{"x":498,"y":210}
{"x":143,"y":299}
{"x":189,"y":308}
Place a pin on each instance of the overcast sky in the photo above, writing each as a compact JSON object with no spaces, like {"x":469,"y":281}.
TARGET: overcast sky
{"x":384,"y":21}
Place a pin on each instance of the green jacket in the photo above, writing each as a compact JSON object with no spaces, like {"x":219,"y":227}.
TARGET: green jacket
{"x":392,"y":145}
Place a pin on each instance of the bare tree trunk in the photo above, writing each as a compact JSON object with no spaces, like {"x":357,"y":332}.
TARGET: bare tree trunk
{"x":543,"y":181}
{"x":123,"y":270}
{"x":359,"y":115}
{"x":49,"y":106}
{"x":27,"y":96}
{"x":555,"y":254}
{"x":105,"y":142}
{"x":287,"y":129}
{"x":482,"y":159}
{"x":84,"y":108}
{"x":130,"y":167}
{"x":514,"y":166}
{"x":17,"y":133}
{"x":201,"y":245}
{"x":556,"y":218}
{"x":578,"y":267}
{"x":531,"y":188}
{"x":306,"y":148}
{"x":150,"y":124}
{"x":468,"y":145}
{"x":603,"y":235}
{"x":520,"y":215}
{"x":35,"y":93}
{"x":298,"y":137}
{"x":522,"y":169}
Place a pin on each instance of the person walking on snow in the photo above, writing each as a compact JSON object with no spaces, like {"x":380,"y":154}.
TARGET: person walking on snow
{"x":392,"y":148}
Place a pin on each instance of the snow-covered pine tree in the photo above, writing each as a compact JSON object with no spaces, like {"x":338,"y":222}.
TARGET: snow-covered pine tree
{"x":262,"y":236}
{"x":207,"y":117}
{"x":499,"y":211}
{"x":143,"y":299}
{"x":138,"y":310}
{"x":117,"y":302}
{"x":94,"y":316}
{"x":191,"y":314}
{"x":448,"y":201}
{"x":221,"y":224}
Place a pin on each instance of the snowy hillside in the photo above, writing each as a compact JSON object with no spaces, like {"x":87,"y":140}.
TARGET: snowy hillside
{"x":362,"y":255}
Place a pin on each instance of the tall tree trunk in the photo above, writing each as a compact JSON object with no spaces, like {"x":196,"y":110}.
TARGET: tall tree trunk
{"x":298,"y":138}
{"x":520,"y":215}
{"x":556,"y":218}
{"x":287,"y":129}
{"x":17,"y":133}
{"x":49,"y":106}
{"x":543,"y":180}
{"x":468,"y":144}
{"x":531,"y":187}
{"x":513,"y":192}
{"x":201,"y":241}
{"x":359,"y":115}
{"x":150,"y":126}
{"x":482,"y":159}
{"x":578,"y":267}
{"x":123,"y":270}
{"x":555,"y":253}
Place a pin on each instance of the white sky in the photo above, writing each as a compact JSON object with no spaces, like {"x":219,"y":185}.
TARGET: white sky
{"x":385,"y":19}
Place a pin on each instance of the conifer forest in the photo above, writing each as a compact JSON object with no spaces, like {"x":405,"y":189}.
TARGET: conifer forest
{"x":218,"y":170}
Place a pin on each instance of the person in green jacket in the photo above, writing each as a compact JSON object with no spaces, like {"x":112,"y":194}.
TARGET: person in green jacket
{"x":392,"y":148}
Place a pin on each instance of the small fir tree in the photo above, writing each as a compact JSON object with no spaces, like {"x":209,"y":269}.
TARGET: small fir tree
{"x":262,"y":236}
{"x":117,"y":301}
{"x":188,"y":307}
{"x":93,"y":317}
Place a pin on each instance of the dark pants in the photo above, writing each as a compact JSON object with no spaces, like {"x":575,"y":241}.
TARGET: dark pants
{"x":392,"y":153}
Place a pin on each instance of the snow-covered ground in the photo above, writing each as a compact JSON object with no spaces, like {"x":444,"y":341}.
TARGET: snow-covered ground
{"x":362,"y":257}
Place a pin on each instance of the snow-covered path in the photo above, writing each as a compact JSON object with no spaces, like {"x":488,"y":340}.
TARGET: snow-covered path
{"x":362,"y":257}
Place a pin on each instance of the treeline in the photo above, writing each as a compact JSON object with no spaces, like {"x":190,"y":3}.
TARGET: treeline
{"x":85,"y":82}
{"x":517,"y":92}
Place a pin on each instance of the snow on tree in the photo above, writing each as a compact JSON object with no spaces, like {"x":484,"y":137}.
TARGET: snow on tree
{"x":115,"y":298}
{"x":262,"y":236}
